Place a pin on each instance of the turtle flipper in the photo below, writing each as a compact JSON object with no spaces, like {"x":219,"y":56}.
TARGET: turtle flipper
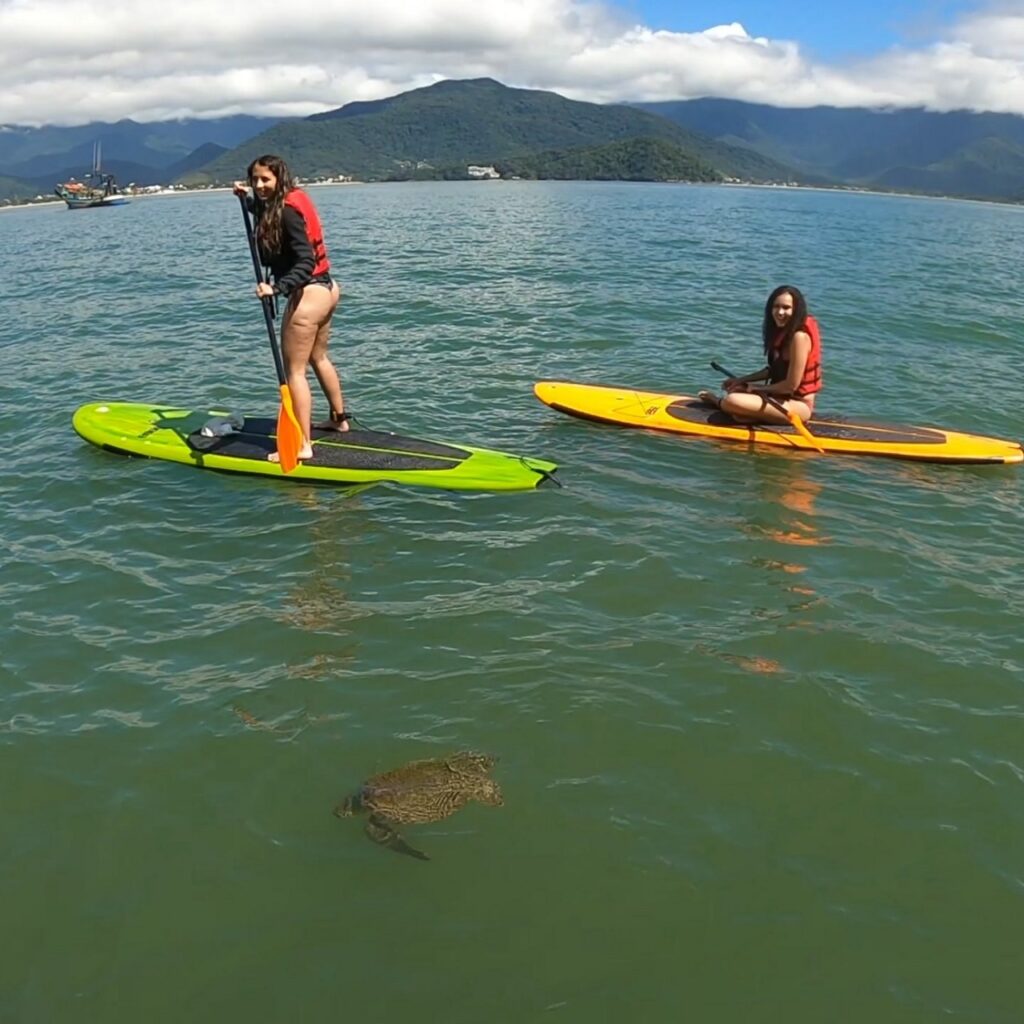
{"x":381,"y":832}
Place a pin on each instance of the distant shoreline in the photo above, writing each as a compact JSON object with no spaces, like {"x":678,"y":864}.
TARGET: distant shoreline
{"x":842,"y":189}
{"x":851,"y":190}
{"x":56,"y":201}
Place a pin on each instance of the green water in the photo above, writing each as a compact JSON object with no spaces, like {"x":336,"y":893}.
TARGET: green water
{"x":758,"y":715}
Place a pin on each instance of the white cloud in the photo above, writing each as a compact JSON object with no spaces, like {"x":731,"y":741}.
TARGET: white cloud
{"x":997,"y":32}
{"x":65,"y":61}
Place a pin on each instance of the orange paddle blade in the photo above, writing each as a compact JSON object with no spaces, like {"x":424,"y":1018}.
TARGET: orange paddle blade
{"x":802,"y":430}
{"x":289,"y":433}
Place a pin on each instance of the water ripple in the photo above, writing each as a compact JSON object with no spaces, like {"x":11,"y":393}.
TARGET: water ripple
{"x":771,"y":696}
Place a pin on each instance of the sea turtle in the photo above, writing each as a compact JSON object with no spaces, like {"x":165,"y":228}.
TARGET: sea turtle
{"x":421,"y":791}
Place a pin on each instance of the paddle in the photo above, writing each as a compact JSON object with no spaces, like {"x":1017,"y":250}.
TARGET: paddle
{"x":289,"y":433}
{"x":798,"y":424}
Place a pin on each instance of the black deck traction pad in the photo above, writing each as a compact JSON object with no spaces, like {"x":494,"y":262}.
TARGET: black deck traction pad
{"x":836,"y":428}
{"x":351,"y":449}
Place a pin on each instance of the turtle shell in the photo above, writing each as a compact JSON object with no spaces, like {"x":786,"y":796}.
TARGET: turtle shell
{"x":428,"y":790}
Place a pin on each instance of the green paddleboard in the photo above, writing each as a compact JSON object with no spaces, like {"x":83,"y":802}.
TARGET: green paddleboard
{"x":235,"y":444}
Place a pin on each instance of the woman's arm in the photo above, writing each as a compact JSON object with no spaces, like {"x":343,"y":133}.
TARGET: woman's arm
{"x":740,"y":383}
{"x":293,"y":225}
{"x":799,"y":350}
{"x":241,"y":188}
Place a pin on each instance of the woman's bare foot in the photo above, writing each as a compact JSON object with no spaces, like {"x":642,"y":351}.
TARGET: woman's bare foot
{"x":709,"y":398}
{"x":305,"y":452}
{"x":338,"y":422}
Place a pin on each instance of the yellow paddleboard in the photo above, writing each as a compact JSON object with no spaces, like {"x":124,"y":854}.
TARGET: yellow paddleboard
{"x":683,"y":414}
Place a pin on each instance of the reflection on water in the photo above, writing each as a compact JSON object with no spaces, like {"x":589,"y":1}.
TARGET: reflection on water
{"x":287,"y":726}
{"x":787,"y":514}
{"x":319,"y":600}
{"x":781,"y":533}
{"x":788,"y":492}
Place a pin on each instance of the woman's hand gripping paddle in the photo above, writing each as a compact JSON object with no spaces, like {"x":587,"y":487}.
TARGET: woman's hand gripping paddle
{"x":798,"y":424}
{"x":289,"y":433}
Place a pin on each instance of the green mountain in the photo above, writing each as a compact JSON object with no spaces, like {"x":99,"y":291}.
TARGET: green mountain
{"x":143,"y":154}
{"x":628,"y":160}
{"x":16,"y":190}
{"x":48,"y":151}
{"x":199,"y":157}
{"x":126,"y":172}
{"x":990,"y":168}
{"x":956,"y":153}
{"x":437,"y":131}
{"x":456,"y":123}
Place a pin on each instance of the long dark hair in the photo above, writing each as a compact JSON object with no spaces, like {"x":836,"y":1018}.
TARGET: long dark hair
{"x":769,"y":331}
{"x":269,"y":213}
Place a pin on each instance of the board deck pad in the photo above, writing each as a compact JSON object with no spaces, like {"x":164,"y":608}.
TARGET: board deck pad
{"x":355,"y":456}
{"x":353,"y":449}
{"x":835,"y":428}
{"x":684,"y":414}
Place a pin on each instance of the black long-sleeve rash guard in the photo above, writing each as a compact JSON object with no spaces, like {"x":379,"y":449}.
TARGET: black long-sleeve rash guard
{"x":292,"y":267}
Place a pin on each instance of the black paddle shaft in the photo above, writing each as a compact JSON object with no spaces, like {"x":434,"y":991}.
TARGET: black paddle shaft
{"x":266,"y":301}
{"x":721,"y":369}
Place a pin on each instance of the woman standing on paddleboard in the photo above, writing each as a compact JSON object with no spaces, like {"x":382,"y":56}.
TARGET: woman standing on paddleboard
{"x":792,"y":376}
{"x":291,"y":244}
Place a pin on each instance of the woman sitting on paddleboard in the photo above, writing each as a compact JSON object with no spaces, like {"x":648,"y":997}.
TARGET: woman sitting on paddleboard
{"x":792,"y":348}
{"x":291,"y":244}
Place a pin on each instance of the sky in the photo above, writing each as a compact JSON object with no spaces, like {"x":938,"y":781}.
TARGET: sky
{"x":74,"y":61}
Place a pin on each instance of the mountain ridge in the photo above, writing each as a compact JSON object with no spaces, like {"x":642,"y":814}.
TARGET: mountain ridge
{"x":962,"y":153}
{"x":147,"y":154}
{"x":438,"y":130}
{"x":471,"y":121}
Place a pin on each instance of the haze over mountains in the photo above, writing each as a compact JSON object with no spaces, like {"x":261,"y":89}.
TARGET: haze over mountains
{"x":957,"y":153}
{"x":146,"y":154}
{"x":435,"y":132}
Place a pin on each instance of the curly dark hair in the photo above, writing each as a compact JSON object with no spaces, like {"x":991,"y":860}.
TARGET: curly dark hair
{"x":269,"y":213}
{"x":769,"y":331}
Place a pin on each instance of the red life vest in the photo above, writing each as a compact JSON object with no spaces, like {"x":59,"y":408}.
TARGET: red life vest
{"x":811,"y":381}
{"x":298,"y":200}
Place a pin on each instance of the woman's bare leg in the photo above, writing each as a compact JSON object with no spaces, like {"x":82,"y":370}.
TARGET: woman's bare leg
{"x":305,"y":313}
{"x":752,"y":408}
{"x":326,"y":374}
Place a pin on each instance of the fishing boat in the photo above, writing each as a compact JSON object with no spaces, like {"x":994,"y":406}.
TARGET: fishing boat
{"x":100,"y":190}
